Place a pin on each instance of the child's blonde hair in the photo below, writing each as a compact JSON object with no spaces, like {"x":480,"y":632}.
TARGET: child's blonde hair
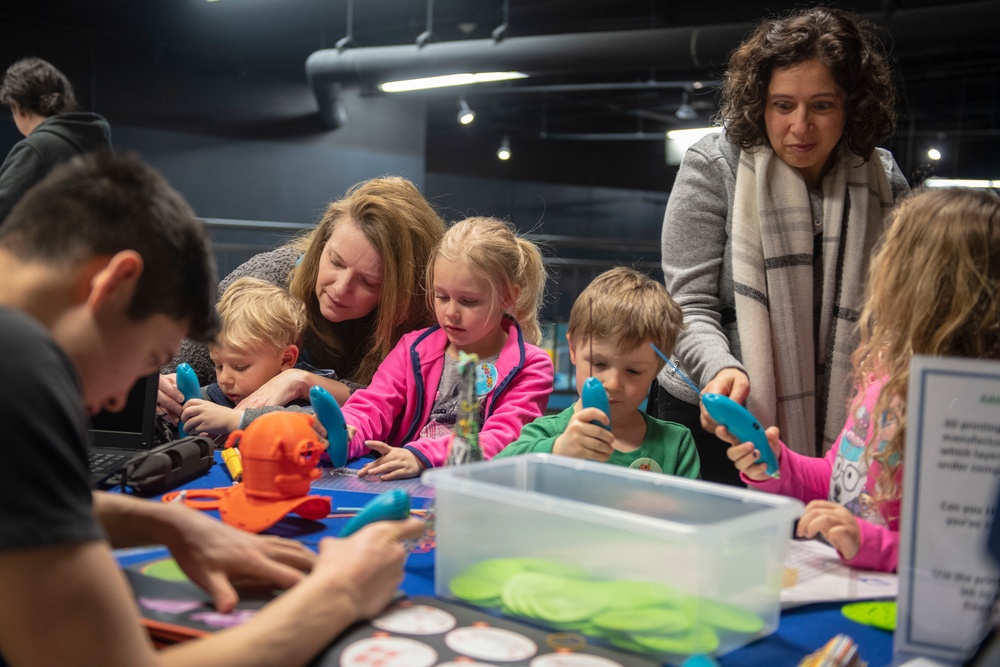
{"x":627,"y":306}
{"x":493,"y":251}
{"x":933,"y":289}
{"x":257,"y":313}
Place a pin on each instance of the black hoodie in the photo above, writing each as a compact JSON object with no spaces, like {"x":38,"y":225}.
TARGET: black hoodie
{"x":55,"y":140}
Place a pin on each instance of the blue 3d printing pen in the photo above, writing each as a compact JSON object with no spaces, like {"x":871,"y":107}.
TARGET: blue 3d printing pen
{"x":736,"y":418}
{"x":594,"y":396}
{"x":332,"y":419}
{"x":392,"y":505}
{"x":187,"y":382}
{"x":741,"y":423}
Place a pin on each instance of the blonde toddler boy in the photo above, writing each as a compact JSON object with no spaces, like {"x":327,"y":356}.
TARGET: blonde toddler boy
{"x":262,"y":327}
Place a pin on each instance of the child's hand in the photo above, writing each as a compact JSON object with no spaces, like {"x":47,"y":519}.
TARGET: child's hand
{"x":396,"y":462}
{"x":169,"y":399}
{"x":835,"y":523}
{"x":745,"y":456}
{"x":205,"y":417}
{"x":583,"y":440}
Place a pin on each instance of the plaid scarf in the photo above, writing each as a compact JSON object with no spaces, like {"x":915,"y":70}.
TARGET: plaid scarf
{"x":800,"y":379}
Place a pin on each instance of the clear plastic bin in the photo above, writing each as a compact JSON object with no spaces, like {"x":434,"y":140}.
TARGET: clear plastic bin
{"x":646,"y":562}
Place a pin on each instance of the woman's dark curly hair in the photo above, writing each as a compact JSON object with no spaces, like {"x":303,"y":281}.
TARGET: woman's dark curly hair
{"x":35,"y":85}
{"x":838,"y":39}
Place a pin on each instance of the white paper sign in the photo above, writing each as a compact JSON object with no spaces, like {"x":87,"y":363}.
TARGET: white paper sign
{"x":947,"y":579}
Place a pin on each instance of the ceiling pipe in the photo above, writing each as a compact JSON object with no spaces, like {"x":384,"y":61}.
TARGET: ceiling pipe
{"x":953,"y":27}
{"x":327,"y":69}
{"x":587,"y":87}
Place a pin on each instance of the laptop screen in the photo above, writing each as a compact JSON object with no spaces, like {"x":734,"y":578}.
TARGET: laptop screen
{"x":133,"y":427}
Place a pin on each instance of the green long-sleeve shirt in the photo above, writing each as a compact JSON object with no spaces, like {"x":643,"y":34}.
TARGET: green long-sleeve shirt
{"x":667,"y":447}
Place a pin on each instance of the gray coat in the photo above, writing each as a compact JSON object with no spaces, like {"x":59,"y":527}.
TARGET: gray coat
{"x":698,"y":262}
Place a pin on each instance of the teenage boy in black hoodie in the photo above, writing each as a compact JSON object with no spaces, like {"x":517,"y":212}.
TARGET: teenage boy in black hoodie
{"x":41,"y":100}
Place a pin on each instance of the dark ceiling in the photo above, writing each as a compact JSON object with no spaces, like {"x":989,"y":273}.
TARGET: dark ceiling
{"x":950,"y":85}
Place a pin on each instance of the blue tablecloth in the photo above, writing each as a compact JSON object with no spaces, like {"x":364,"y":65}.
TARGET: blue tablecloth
{"x":801,"y":631}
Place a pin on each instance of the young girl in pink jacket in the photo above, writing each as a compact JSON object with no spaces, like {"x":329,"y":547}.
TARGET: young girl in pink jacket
{"x":933,"y":289}
{"x":486,"y":285}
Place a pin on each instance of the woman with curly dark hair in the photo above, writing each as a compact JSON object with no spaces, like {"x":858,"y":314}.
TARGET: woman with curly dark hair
{"x":769,"y":229}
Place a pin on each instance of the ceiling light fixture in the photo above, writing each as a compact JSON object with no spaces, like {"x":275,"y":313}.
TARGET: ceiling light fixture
{"x":465,"y":114}
{"x":464,"y":79}
{"x":685,"y":111}
{"x":503,"y":153}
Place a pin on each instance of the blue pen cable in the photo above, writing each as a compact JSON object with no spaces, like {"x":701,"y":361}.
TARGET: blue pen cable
{"x":676,"y":370}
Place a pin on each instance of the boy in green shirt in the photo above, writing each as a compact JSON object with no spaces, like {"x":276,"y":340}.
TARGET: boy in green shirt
{"x":611,"y":326}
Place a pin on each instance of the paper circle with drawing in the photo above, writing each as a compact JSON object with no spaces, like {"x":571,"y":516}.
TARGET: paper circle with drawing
{"x":388,"y":652}
{"x":418,"y":619}
{"x":486,"y":643}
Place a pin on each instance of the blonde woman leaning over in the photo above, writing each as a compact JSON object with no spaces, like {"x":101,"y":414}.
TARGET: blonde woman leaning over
{"x":359,"y":273}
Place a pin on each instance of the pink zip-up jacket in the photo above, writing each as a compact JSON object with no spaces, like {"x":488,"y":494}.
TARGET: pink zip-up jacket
{"x":398,"y":402}
{"x":846,"y":475}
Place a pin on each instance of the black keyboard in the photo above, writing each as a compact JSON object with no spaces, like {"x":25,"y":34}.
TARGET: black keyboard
{"x":101,"y":461}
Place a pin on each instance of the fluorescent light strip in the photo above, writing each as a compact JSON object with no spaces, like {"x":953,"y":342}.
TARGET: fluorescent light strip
{"x":961,"y":183}
{"x":691,"y":134}
{"x":464,"y":79}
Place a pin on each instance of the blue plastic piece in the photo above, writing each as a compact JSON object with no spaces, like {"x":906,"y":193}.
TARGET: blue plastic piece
{"x":700,"y":661}
{"x":187,"y":383}
{"x":594,"y":396}
{"x":738,"y":420}
{"x":332,"y":419}
{"x":392,"y":505}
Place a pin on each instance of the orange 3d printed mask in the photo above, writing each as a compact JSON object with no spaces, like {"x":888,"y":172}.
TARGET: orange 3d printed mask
{"x":280,"y":453}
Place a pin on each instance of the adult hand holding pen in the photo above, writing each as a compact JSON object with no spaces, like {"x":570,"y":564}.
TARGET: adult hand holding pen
{"x":353,"y":579}
{"x":214,"y":555}
{"x":730,"y":382}
{"x":368,"y":565}
{"x":291,"y":384}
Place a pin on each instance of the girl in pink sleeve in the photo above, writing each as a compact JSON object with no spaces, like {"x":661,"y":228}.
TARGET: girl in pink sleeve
{"x":933,"y":289}
{"x":485,"y":285}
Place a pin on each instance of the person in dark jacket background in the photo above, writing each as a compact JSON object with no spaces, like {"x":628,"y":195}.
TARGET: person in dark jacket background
{"x":44,"y":107}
